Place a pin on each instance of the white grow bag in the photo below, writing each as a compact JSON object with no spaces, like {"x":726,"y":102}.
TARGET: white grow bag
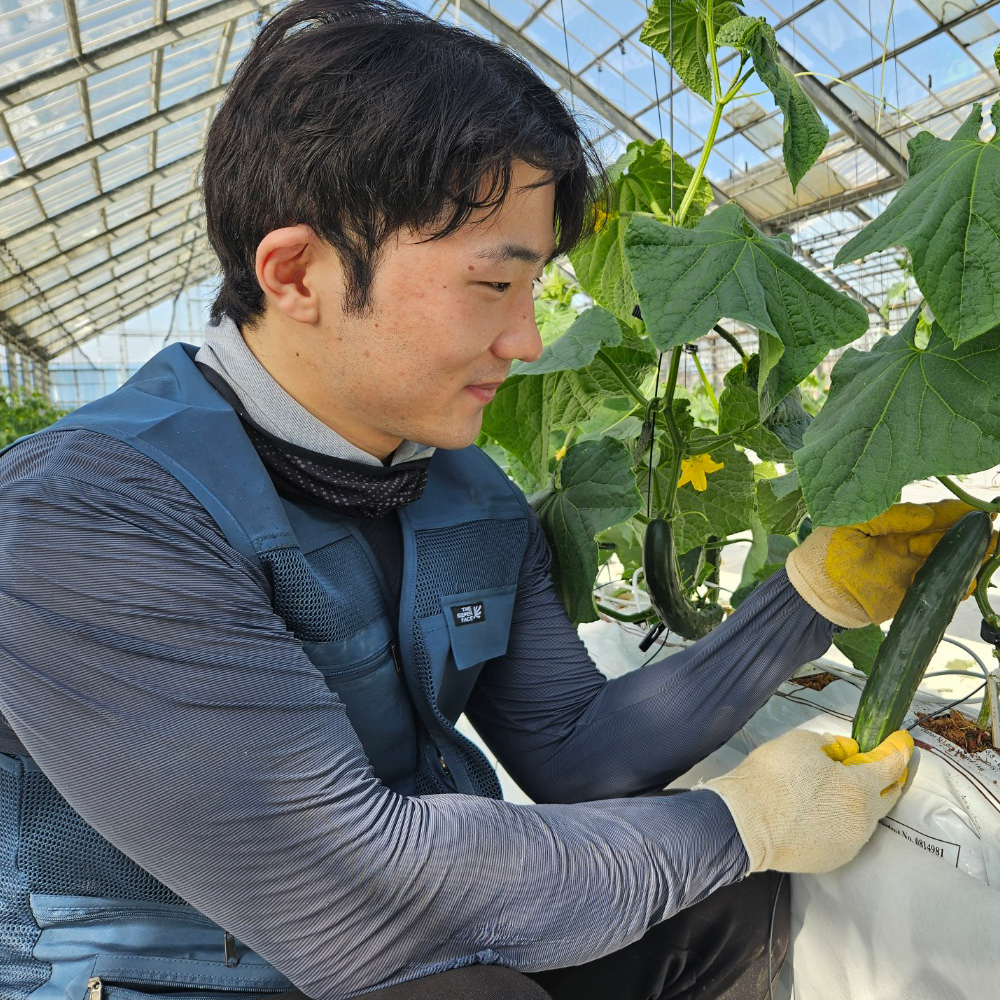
{"x":916,"y":916}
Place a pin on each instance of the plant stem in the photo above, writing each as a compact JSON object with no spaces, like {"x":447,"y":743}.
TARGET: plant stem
{"x":627,"y":384}
{"x":706,"y":384}
{"x":984,"y":505}
{"x":674,"y":431}
{"x":982,"y":583}
{"x":983,"y":721}
{"x":730,"y":339}
{"x":570,"y":435}
{"x":699,"y":171}
{"x":723,"y":542}
{"x":639,"y":616}
{"x":713,"y":55}
{"x":644,"y":215}
{"x":721,"y":100}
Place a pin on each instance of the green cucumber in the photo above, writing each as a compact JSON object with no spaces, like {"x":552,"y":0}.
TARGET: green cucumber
{"x":925,"y":612}
{"x":666,"y":592}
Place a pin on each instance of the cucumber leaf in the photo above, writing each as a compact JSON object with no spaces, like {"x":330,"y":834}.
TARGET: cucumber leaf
{"x":553,"y":319}
{"x":947,"y":215}
{"x":640,"y":182}
{"x":804,"y":134}
{"x":688,"y":50}
{"x":860,"y":645}
{"x":779,"y":434}
{"x":780,"y":504}
{"x":896,"y":414}
{"x":689,"y":279}
{"x":767,"y":555}
{"x":593,"y":489}
{"x":529,"y":408}
{"x":577,"y":345}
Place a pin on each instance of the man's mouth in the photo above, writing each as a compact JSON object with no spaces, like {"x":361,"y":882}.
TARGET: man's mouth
{"x":484,"y":391}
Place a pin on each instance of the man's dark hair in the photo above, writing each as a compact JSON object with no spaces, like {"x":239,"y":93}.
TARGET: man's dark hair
{"x":361,"y":118}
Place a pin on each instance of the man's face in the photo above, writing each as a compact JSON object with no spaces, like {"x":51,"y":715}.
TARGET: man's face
{"x":447,"y":319}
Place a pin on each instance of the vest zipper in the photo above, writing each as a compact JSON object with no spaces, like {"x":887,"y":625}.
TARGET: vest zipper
{"x":94,"y":989}
{"x":394,"y":649}
{"x":229,"y":950}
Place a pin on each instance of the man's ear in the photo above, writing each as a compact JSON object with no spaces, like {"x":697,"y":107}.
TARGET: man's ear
{"x":284,"y":258}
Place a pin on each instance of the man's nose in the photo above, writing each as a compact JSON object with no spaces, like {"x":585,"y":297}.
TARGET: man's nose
{"x":520,"y":340}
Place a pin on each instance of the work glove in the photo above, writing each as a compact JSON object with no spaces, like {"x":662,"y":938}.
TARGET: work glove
{"x":808,"y":803}
{"x":858,"y":573}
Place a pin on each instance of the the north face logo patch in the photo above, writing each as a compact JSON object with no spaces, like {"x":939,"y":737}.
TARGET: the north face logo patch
{"x":469,"y":614}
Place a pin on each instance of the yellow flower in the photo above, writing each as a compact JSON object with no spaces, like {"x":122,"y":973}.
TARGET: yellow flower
{"x":695,"y":469}
{"x":561,"y":453}
{"x":601,"y":217}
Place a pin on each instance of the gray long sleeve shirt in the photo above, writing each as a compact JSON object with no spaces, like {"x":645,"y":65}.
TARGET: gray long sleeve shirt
{"x":143,"y":668}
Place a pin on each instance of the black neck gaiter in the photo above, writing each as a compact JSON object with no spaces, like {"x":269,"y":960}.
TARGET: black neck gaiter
{"x":353,"y":489}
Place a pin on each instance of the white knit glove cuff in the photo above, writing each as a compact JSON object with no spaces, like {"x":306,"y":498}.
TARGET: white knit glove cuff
{"x":806,"y":568}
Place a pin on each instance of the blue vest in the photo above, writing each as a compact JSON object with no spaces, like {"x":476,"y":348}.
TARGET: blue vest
{"x":81,"y":921}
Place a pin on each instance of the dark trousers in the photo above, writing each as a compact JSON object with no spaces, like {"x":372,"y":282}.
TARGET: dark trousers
{"x":729,"y":946}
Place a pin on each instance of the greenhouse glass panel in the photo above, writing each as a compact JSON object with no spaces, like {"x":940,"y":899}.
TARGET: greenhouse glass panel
{"x":32,"y":33}
{"x":514,"y":12}
{"x":607,"y":81}
{"x":831,"y":30}
{"x":949,"y":65}
{"x":742,"y":153}
{"x":10,"y":163}
{"x":189,"y":67}
{"x":87,"y":260}
{"x":125,"y":163}
{"x":48,"y":126}
{"x":974,"y":29}
{"x":127,"y":207}
{"x":167,"y":190}
{"x":121,"y":95}
{"x":180,"y":138}
{"x":593,"y":31}
{"x":104,"y":21}
{"x":243,"y":36}
{"x":983,"y":50}
{"x":171,"y":221}
{"x":19,"y":211}
{"x":175,"y":8}
{"x":908,"y":21}
{"x":69,"y":188}
{"x":549,"y":36}
{"x":34,"y":248}
{"x":122,"y":244}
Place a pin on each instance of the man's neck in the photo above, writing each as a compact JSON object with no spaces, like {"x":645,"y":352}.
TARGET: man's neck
{"x":275,"y":410}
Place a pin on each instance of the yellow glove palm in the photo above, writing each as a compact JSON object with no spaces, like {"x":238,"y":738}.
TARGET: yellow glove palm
{"x":858,"y":573}
{"x":846,"y":750}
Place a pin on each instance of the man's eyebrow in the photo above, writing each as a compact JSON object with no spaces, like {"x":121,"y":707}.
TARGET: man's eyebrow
{"x":503,"y":252}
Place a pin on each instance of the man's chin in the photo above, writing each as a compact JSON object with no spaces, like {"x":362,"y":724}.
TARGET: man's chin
{"x":452,"y":439}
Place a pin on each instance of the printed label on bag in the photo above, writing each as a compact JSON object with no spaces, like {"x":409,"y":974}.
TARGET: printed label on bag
{"x":943,"y":849}
{"x":469,"y":614}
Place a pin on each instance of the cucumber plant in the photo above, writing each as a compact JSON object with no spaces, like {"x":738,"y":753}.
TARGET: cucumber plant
{"x":601,"y":434}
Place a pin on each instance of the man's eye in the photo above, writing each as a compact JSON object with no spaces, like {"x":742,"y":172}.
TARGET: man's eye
{"x":499,"y":286}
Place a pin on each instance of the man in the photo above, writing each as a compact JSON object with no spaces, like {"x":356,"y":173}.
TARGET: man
{"x":246,"y":598}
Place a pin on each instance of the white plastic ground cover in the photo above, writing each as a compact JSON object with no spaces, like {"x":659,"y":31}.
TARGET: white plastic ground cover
{"x":916,"y":916}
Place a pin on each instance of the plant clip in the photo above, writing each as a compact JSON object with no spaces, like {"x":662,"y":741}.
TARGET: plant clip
{"x":690,"y":348}
{"x":990,"y":633}
{"x":651,"y":636}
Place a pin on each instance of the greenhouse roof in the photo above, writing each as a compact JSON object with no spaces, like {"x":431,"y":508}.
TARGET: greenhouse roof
{"x":104,"y":107}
